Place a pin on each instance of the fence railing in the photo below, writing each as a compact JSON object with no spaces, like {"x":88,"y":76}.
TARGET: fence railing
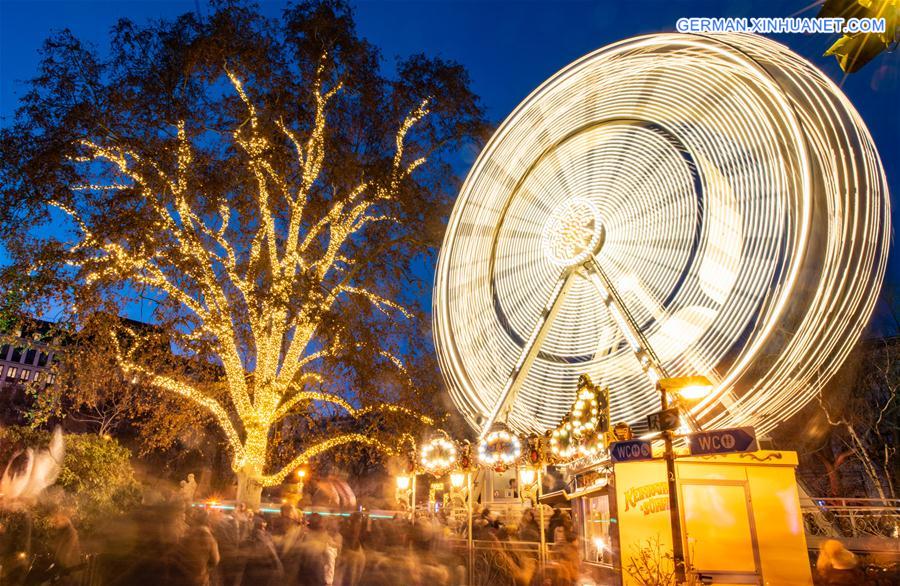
{"x":506,"y":563}
{"x":867,"y":521}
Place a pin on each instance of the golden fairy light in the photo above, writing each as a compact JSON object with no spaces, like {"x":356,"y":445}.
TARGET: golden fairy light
{"x":214,"y":271}
{"x":579,"y":433}
{"x":667,"y":205}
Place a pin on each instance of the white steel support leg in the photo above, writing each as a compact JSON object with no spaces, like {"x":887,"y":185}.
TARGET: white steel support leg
{"x":529,"y":352}
{"x":616,"y":306}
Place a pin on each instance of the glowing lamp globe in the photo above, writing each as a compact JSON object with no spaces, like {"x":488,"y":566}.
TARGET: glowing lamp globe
{"x":668,"y":205}
{"x":499,"y":449}
{"x":527,"y":476}
{"x":457,"y":479}
{"x":438,"y":456}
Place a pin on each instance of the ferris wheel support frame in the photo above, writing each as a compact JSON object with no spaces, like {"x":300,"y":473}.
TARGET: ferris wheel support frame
{"x":641,"y":347}
{"x":531,"y":349}
{"x":613,"y":302}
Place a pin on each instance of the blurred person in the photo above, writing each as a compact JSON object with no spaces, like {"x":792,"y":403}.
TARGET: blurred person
{"x":518,"y":569}
{"x":313,"y":554}
{"x":556,"y":520}
{"x":512,"y":490}
{"x":289,"y":545}
{"x":227,"y":532}
{"x":243,"y":518}
{"x":65,"y":549}
{"x":352,"y":560}
{"x":155,"y":555}
{"x":483,"y":525}
{"x":529,"y":529}
{"x":566,"y":553}
{"x":199,"y":551}
{"x":333,"y":548}
{"x":263,"y":566}
{"x":287,"y":519}
{"x":838,"y":565}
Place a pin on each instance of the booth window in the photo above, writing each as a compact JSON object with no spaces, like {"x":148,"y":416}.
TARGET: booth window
{"x":596,"y":519}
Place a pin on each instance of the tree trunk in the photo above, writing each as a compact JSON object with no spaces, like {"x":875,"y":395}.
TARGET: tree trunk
{"x":249,"y":489}
{"x":868,"y":466}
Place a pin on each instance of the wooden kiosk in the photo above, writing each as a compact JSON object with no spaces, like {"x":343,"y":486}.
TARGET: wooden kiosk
{"x":740,"y":516}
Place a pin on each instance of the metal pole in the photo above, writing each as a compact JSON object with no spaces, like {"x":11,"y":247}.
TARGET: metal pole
{"x":675,"y":517}
{"x":471,"y":548}
{"x":412,"y":498}
{"x":542,"y":557}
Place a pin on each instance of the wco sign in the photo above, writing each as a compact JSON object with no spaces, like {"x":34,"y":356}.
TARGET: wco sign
{"x":723,"y":441}
{"x":631,"y":451}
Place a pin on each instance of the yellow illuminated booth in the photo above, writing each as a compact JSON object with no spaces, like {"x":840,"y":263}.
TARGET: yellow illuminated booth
{"x":740,"y":516}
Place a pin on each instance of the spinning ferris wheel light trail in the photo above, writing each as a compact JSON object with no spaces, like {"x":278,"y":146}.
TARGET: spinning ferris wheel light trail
{"x":667,"y":205}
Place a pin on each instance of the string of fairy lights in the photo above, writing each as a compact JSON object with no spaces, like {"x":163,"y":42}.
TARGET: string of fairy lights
{"x":218,"y":281}
{"x":582,"y":433}
{"x":733,"y":199}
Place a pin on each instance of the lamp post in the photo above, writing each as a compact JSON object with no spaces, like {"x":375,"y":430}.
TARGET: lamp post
{"x":403,"y":488}
{"x":457,"y":479}
{"x":690,"y":388}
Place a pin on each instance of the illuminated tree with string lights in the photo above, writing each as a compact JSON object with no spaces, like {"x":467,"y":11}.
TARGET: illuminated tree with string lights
{"x":266,"y":191}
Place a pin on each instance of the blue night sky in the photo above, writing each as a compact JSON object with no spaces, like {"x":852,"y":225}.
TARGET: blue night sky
{"x":508,"y":47}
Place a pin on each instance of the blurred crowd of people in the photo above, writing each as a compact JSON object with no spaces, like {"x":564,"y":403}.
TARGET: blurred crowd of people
{"x":179,"y":544}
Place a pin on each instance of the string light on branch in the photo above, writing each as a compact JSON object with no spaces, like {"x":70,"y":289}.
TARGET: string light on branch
{"x":237,"y":282}
{"x":438,"y":456}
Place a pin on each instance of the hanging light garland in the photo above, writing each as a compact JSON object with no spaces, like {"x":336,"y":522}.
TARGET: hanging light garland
{"x":591,"y":446}
{"x":585,"y":415}
{"x":563,"y":443}
{"x":581,"y":431}
{"x":499,"y":449}
{"x":438,"y":456}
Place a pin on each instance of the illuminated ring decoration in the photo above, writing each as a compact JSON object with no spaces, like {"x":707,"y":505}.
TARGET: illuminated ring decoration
{"x":732,"y":196}
{"x":499,"y":449}
{"x":438,"y":456}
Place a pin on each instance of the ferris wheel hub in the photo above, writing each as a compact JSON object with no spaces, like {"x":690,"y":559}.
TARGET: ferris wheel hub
{"x":573,"y":233}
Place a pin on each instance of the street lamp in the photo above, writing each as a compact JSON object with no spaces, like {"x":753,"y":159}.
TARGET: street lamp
{"x":457,"y":479}
{"x":686,"y":388}
{"x":526,"y":476}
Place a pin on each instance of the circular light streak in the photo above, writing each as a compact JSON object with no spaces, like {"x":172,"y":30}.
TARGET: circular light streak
{"x":438,"y":456}
{"x":729,"y":191}
{"x":499,"y":449}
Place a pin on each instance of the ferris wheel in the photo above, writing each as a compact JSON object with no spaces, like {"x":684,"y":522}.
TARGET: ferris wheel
{"x":667,"y":205}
